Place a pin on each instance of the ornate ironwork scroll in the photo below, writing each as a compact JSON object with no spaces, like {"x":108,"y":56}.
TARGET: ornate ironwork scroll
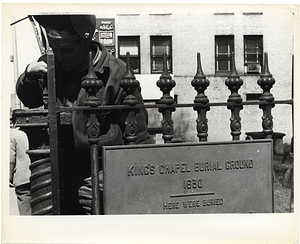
{"x":266,"y":82}
{"x":166,"y":84}
{"x":200,"y":83}
{"x":92,"y":85}
{"x":234,"y":82}
{"x":130,"y":84}
{"x":41,"y":189}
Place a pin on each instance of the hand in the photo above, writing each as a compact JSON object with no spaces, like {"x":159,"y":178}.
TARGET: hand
{"x":36,"y":68}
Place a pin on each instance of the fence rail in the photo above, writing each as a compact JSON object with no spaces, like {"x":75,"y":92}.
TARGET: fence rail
{"x":181,"y":105}
{"x":53,"y":115}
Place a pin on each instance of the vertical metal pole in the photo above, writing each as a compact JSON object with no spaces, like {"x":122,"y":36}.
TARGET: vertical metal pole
{"x":92,"y":85}
{"x":234,"y":82}
{"x":130,"y":84}
{"x":53,"y":137}
{"x":266,"y":82}
{"x":292,"y":190}
{"x":200,"y":83}
{"x":166,"y":84}
{"x":37,"y":35}
{"x":15,"y":61}
{"x":95,"y":179}
{"x":293,"y":95}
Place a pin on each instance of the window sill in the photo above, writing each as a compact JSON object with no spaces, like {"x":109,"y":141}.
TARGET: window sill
{"x":251,"y":74}
{"x":221,"y":74}
{"x":159,"y":73}
{"x":243,"y":74}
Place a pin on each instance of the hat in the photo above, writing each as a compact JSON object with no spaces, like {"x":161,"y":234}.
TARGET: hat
{"x":55,"y":24}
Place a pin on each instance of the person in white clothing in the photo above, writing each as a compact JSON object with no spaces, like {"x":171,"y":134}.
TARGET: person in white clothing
{"x":19,"y":167}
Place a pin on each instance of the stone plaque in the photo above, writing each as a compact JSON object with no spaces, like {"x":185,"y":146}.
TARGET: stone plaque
{"x":187,"y":178}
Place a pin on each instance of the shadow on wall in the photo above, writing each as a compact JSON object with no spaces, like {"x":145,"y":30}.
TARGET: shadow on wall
{"x":185,"y":129}
{"x":154,"y":118}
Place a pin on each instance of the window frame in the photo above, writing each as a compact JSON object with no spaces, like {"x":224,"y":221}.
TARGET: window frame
{"x":153,"y":57}
{"x":253,"y":96}
{"x":230,"y":39}
{"x":133,"y":57}
{"x":259,"y":61}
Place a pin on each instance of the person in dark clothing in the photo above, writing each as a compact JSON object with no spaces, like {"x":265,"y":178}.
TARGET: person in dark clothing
{"x":70,"y":37}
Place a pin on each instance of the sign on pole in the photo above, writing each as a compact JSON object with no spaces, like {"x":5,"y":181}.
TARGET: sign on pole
{"x":105,"y":33}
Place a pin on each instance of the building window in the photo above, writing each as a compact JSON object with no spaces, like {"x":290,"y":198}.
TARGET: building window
{"x":253,"y":96}
{"x":253,"y":50}
{"x":224,"y":47}
{"x":159,"y":46}
{"x":130,"y":44}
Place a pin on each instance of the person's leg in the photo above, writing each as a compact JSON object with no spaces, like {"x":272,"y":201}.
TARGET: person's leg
{"x":23,"y":197}
{"x":69,"y":190}
{"x":85,"y":194}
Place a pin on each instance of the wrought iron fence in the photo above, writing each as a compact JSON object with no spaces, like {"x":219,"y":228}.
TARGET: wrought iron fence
{"x":45,"y":173}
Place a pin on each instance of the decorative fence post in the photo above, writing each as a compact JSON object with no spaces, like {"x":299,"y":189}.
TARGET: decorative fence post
{"x":234,"y":82}
{"x":166,"y":84}
{"x":200,"y":83}
{"x":130,"y":84}
{"x":92,"y":85}
{"x":266,"y":82}
{"x":45,"y":185}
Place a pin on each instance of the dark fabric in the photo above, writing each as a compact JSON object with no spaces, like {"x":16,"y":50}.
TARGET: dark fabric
{"x":74,"y":155}
{"x":68,"y":90}
{"x":75,"y":23}
{"x":23,"y":199}
{"x":85,"y":194}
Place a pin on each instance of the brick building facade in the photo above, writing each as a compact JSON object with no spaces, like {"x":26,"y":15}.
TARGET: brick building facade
{"x":193,"y":29}
{"x":184,"y":30}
